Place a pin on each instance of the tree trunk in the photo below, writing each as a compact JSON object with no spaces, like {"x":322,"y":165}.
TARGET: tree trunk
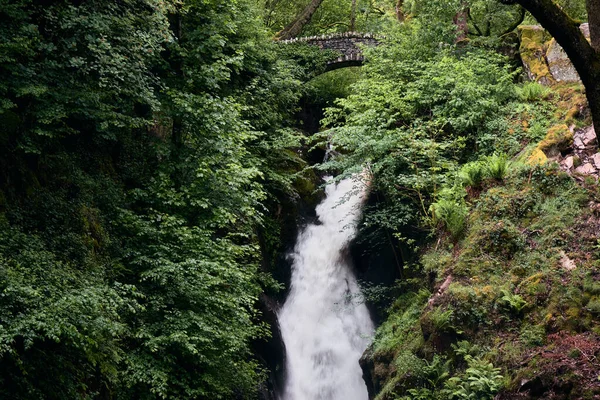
{"x":296,"y":26}
{"x":566,"y":32}
{"x":353,"y":16}
{"x":399,"y":13}
{"x":593,"y":9}
{"x":460,"y":20}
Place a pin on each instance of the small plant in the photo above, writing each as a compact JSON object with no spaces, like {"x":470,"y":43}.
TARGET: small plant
{"x":533,"y":91}
{"x":442,"y":320}
{"x":437,"y":371}
{"x":465,"y":349}
{"x":512,"y":302}
{"x":533,"y":335}
{"x":452,"y":214}
{"x":496,"y":166}
{"x":481,"y":381}
{"x":593,"y":306}
{"x":472,"y":174}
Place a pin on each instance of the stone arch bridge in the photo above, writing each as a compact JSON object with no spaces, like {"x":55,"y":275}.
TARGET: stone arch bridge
{"x":344,"y":43}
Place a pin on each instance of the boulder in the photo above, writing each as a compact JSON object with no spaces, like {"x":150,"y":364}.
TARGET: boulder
{"x":558,"y":62}
{"x":585,"y":138}
{"x":595,"y":160}
{"x":533,"y":45}
{"x":569,"y":162}
{"x":586,"y":169}
{"x":543,"y":58}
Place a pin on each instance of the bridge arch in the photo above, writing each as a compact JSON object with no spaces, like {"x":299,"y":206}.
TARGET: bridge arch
{"x":344,"y":43}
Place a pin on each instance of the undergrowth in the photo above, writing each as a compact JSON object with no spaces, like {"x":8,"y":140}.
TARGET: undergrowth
{"x":510,"y":289}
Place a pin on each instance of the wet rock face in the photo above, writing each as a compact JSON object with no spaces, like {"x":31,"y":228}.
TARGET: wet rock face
{"x":544,"y":59}
{"x":271,"y":351}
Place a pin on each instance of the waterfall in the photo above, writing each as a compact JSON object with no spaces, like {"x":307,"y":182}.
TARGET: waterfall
{"x":324,"y":322}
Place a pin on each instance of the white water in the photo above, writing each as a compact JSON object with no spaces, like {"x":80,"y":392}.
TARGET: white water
{"x":324,"y":324}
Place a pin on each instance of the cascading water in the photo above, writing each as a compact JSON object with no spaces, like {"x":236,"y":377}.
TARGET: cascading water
{"x":324,"y":326}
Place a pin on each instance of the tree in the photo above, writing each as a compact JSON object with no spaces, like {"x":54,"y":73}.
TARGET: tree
{"x":593,"y":9}
{"x":294,"y":28}
{"x":584,"y":56}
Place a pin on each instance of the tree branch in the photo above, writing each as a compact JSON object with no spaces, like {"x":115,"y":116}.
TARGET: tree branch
{"x":474,"y":24}
{"x":518,"y":22}
{"x":295,"y":27}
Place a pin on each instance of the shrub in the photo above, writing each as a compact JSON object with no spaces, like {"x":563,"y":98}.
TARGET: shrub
{"x":452,"y":214}
{"x":442,"y":321}
{"x":533,"y":335}
{"x":480,"y":381}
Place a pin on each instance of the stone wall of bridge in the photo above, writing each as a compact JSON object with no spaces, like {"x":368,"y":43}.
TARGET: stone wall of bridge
{"x":343,"y":43}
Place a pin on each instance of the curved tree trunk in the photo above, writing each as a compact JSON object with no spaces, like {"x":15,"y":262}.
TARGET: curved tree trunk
{"x":593,"y":9}
{"x":295,"y":27}
{"x":566,"y":31}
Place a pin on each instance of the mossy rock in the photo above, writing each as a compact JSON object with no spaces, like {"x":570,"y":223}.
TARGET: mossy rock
{"x":537,"y":157}
{"x":558,"y":138}
{"x":571,"y":105}
{"x":534,"y":42}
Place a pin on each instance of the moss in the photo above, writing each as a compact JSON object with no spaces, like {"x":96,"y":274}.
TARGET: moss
{"x":571,"y":104}
{"x":537,"y":157}
{"x":558,"y":138}
{"x":508,"y":256}
{"x":534,"y":42}
{"x":594,"y":305}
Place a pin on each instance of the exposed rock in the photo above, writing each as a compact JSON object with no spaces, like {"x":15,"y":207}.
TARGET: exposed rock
{"x":588,"y":136}
{"x":558,"y":138}
{"x":566,"y":262}
{"x":595,"y":159}
{"x":585,"y":145}
{"x":559,"y":64}
{"x":569,"y":162}
{"x":544,"y":60}
{"x":586,"y":169}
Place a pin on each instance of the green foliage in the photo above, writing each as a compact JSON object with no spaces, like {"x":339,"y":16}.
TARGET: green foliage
{"x":480,"y":381}
{"x":452,"y":214}
{"x":533,"y":91}
{"x":496,"y":166}
{"x":533,"y":335}
{"x":442,"y":321}
{"x":513,"y":302}
{"x":330,"y":17}
{"x":472,"y":174}
{"x":142,"y":144}
{"x":410,"y":125}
